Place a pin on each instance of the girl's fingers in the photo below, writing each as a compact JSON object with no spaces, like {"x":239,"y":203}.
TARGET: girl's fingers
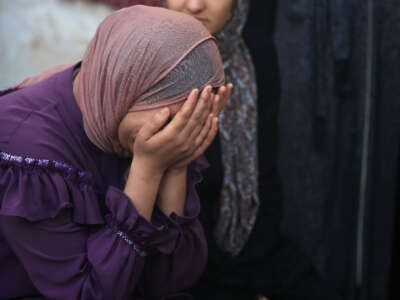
{"x":199,"y":116}
{"x":209,"y":138}
{"x":156,"y":123}
{"x":224,"y":92}
{"x":215,"y":106}
{"x":204,"y":131}
{"x":183,"y":115}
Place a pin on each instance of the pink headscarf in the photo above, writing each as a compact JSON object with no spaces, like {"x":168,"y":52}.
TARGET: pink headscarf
{"x":140,"y":58}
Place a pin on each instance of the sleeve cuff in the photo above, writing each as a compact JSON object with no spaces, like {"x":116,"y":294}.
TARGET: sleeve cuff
{"x":126,"y":222}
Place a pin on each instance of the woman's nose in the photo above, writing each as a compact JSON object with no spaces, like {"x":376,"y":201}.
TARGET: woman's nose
{"x":195,"y":6}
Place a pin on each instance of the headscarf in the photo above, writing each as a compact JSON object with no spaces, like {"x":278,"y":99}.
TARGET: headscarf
{"x":239,"y":202}
{"x":141,"y":58}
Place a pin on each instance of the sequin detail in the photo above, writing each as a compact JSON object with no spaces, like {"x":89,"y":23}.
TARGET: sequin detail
{"x":45,"y":164}
{"x":123,"y":236}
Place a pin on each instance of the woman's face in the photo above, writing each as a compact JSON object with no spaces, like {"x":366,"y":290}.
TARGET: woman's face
{"x":214,"y":14}
{"x":133,"y":122}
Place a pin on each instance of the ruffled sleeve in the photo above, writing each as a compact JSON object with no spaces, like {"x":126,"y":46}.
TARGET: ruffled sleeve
{"x":51,"y":217}
{"x":37,"y":189}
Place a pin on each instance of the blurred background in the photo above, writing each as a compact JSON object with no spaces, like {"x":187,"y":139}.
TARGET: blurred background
{"x":38,"y":34}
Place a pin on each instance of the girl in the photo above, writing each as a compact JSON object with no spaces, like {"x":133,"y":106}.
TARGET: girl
{"x":97,"y":197}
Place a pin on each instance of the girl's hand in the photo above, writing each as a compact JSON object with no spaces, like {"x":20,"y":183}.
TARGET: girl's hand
{"x":209,"y":131}
{"x":172,"y":192}
{"x":159,"y":146}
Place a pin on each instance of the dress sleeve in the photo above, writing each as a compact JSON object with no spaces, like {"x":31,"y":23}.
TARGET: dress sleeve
{"x":188,"y":258}
{"x":51,"y":219}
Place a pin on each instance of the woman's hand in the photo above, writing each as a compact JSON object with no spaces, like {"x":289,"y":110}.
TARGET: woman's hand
{"x":159,"y":146}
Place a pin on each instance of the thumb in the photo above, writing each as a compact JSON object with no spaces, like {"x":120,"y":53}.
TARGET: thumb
{"x":155,"y":123}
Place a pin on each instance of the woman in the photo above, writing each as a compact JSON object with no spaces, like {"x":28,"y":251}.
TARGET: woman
{"x":96,"y":197}
{"x":240,"y":194}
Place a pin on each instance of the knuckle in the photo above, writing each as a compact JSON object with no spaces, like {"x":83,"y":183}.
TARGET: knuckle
{"x":169,"y":139}
{"x":197,"y":116}
{"x":198,"y":141}
{"x":175,"y":130}
{"x":180,"y":144}
{"x":186,"y":149}
{"x":185,"y":113}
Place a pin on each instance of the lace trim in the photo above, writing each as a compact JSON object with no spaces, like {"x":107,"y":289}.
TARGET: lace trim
{"x":34,"y":163}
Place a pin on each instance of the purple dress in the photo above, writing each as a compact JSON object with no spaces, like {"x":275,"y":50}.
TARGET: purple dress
{"x":67,"y":231}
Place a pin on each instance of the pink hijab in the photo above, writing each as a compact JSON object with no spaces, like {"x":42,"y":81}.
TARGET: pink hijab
{"x":140,"y":58}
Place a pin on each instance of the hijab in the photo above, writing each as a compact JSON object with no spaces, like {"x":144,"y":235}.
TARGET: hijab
{"x":239,"y":202}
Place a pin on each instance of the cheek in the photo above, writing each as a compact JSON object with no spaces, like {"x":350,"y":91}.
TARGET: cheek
{"x":221,"y":15}
{"x":176,"y":5}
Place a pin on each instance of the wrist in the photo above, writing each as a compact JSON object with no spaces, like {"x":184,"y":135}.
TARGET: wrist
{"x":172,"y":193}
{"x":145,"y":170}
{"x":142,"y":186}
{"x":176,"y":170}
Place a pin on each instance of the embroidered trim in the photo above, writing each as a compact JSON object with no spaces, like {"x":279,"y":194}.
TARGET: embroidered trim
{"x":34,"y":163}
{"x":123,"y":236}
{"x":112,"y":224}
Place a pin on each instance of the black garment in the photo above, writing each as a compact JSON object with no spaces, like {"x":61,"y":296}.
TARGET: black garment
{"x":268,"y":264}
{"x":395,"y":267}
{"x":339,"y":65}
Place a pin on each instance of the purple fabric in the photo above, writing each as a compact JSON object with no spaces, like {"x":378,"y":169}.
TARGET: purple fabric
{"x":67,"y":231}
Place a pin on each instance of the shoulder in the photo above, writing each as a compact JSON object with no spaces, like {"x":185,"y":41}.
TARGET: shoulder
{"x":31,"y":122}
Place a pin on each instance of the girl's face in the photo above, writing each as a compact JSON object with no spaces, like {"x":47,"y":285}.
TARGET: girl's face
{"x":214,"y":14}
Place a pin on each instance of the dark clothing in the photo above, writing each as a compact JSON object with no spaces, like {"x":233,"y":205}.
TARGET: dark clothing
{"x":269,"y":264}
{"x":67,"y":230}
{"x":339,"y":66}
